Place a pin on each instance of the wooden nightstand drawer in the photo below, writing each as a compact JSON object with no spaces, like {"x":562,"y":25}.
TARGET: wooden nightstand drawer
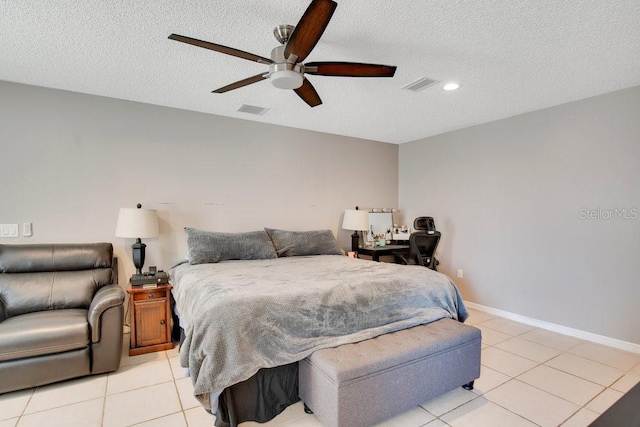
{"x":149,"y":294}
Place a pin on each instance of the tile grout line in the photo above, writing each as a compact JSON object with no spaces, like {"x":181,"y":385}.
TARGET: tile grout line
{"x":560,"y":397}
{"x":532,"y":342}
{"x":137,"y":388}
{"x":600,"y":394}
{"x":525,"y":357}
{"x":175,"y":387}
{"x":26,"y":406}
{"x":588,"y":360}
{"x":104,"y":399}
{"x":158,"y":418}
{"x":453,"y":409}
{"x":491,"y":401}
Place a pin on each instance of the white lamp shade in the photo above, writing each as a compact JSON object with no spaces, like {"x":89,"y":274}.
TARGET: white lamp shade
{"x":355,"y":220}
{"x":137,"y":223}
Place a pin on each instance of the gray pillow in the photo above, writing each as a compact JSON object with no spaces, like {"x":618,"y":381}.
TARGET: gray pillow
{"x":209,"y":247}
{"x":299,"y":243}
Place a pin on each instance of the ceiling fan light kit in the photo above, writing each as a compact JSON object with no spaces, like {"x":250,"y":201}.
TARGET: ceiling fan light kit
{"x":286,"y":79}
{"x":286,"y":68}
{"x":283,"y":74}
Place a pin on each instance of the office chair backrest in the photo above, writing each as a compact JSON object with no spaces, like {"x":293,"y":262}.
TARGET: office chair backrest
{"x":424,"y":223}
{"x":422,"y":248}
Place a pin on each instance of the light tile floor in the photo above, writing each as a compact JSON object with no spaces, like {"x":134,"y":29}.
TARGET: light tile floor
{"x":529,"y":377}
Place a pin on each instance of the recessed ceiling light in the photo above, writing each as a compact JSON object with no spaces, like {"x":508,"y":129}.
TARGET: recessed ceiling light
{"x":451,"y":86}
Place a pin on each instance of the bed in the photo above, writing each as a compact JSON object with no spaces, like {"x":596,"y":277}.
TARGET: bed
{"x":252,"y":305}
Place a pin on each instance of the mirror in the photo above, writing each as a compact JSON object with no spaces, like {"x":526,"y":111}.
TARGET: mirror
{"x":380,"y":222}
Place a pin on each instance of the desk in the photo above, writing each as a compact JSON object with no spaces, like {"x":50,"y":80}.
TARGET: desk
{"x":376,"y":251}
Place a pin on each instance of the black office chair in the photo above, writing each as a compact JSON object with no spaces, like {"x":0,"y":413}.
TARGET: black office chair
{"x":422,"y":247}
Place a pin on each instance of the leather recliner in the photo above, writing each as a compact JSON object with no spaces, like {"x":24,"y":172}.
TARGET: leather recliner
{"x":61,"y":313}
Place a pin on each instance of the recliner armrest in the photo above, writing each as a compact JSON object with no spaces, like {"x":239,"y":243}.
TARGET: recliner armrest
{"x":106,"y":297}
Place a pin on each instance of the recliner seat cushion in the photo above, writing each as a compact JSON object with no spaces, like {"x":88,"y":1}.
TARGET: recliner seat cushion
{"x":44,"y":332}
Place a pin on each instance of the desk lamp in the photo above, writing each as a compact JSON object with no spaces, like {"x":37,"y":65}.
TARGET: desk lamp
{"x":356,"y":220}
{"x":137,"y":223}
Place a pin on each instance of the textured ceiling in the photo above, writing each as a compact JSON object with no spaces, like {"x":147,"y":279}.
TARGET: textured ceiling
{"x":510,"y":57}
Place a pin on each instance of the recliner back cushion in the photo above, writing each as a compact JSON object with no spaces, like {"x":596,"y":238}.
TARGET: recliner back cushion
{"x":76,"y":273}
{"x":50,"y":290}
{"x":54,"y":257}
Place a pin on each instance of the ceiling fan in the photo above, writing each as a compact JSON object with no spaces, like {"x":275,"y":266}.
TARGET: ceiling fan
{"x":286,"y":70}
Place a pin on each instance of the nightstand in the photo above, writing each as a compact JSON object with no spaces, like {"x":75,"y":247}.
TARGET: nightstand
{"x":150,"y":319}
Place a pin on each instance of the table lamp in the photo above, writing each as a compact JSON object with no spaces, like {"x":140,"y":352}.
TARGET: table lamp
{"x":356,"y":220}
{"x":137,"y":223}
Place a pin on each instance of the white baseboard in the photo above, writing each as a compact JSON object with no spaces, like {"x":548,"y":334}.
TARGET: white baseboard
{"x":577,"y":333}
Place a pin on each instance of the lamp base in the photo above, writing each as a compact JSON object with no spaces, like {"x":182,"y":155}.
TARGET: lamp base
{"x":355,"y":241}
{"x":138,"y":255}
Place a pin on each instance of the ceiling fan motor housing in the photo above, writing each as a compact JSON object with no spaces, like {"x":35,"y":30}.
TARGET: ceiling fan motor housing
{"x":283,"y":32}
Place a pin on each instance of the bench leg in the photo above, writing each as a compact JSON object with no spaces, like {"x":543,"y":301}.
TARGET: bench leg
{"x":307,"y":410}
{"x":468,"y":386}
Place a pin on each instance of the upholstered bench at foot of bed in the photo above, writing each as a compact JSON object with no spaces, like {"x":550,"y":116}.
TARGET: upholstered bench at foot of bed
{"x":364,"y":383}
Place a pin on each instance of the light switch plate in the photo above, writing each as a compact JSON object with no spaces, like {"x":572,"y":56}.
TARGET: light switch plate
{"x":8,"y":230}
{"x":26,"y":229}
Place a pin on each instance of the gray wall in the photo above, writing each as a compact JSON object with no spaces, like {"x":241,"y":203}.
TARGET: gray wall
{"x":70,"y":161}
{"x":510,"y":198}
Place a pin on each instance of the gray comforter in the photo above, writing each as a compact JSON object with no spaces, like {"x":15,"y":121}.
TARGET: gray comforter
{"x":240,"y":316}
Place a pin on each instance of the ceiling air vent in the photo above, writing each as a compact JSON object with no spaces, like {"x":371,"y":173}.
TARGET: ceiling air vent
{"x":252,"y":109}
{"x":420,"y":84}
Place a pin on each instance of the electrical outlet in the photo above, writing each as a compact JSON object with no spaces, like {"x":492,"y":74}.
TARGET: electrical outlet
{"x":460,"y":273}
{"x":8,"y":230}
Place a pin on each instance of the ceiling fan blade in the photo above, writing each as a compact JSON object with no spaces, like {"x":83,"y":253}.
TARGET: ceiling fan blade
{"x":349,"y":69}
{"x":308,"y":94}
{"x":241,"y":83}
{"x":220,"y":48}
{"x":309,"y":29}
